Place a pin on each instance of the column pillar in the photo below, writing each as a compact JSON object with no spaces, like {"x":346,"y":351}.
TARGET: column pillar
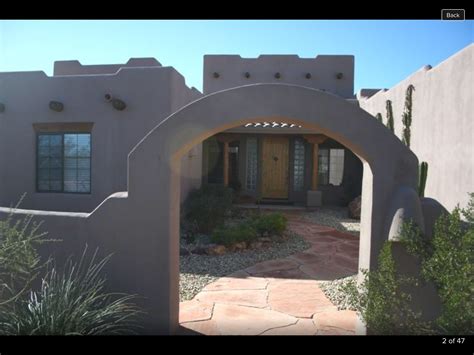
{"x":226,"y":139}
{"x":226,"y":163}
{"x":314,"y":197}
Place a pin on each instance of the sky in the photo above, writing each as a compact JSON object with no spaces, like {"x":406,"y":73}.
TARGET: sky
{"x":385,"y":52}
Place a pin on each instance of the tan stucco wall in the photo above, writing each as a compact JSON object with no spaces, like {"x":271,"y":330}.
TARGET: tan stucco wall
{"x":74,"y":67}
{"x":323,"y":70}
{"x":442,"y":128}
{"x":151,"y":94}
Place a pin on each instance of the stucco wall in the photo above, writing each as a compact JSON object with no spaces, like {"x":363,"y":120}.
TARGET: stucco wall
{"x":292,"y":69}
{"x":74,"y":67}
{"x":148,"y":93}
{"x":442,"y":128}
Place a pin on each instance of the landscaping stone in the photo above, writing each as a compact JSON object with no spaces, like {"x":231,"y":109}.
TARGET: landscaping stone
{"x":216,"y":250}
{"x":234,"y":320}
{"x":336,"y":323}
{"x":191,"y":311}
{"x":272,"y":265}
{"x":253,"y":298}
{"x":355,"y":207}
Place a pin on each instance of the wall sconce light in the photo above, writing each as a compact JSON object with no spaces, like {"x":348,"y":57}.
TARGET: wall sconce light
{"x":308,"y":76}
{"x":2,"y":108}
{"x":277,"y":75}
{"x":56,"y":106}
{"x":216,"y":75}
{"x":108,"y":97}
{"x":247,"y":75}
{"x":339,"y":76}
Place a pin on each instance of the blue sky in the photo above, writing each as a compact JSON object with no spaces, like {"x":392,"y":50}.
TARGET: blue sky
{"x":385,"y":51}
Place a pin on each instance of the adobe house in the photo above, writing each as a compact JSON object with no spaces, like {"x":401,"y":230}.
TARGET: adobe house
{"x":106,"y":153}
{"x":79,"y":125}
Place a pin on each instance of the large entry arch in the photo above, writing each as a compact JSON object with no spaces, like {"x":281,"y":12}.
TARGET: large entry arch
{"x":152,"y":204}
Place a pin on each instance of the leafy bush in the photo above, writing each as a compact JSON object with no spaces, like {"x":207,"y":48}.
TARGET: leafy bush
{"x":450,"y":265}
{"x":208,"y":206}
{"x":447,"y":260}
{"x":230,"y":235}
{"x":269,"y":224}
{"x":19,"y":261}
{"x":381,"y":301}
{"x":71,"y":302}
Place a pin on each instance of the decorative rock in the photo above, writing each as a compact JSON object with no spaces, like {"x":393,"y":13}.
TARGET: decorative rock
{"x":200,"y":250}
{"x":355,"y":207}
{"x":216,"y":250}
{"x":184,"y":251}
{"x":256,"y":245}
{"x":240,"y":246}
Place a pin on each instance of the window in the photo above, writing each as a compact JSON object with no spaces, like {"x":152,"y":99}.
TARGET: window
{"x":331,"y":166}
{"x":64,"y":162}
{"x":298,"y":167}
{"x":251,"y":160}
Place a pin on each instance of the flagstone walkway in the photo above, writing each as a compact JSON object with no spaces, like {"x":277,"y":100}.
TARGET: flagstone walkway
{"x":282,"y":296}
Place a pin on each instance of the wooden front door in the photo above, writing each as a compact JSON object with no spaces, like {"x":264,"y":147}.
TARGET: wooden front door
{"x":275,"y":167}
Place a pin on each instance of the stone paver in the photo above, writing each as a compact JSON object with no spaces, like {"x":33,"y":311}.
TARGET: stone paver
{"x":335,"y":323}
{"x":252,"y":298}
{"x":190,"y":311}
{"x":280,"y":297}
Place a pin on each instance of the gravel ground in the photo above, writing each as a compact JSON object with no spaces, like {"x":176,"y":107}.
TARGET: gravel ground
{"x":336,"y":217}
{"x":334,"y":290}
{"x":199,"y":270}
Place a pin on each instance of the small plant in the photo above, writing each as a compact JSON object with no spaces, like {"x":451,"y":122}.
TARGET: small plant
{"x":447,"y":260}
{"x":406,"y":116}
{"x":390,"y":123}
{"x":381,"y":301}
{"x":450,"y":265}
{"x":269,"y":224}
{"x":208,"y":206}
{"x":71,"y":302}
{"x":19,"y":260}
{"x":230,"y":235}
{"x":378,"y":116}
{"x":422,"y":177}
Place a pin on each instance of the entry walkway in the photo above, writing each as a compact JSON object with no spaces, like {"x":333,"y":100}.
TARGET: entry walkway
{"x":282,"y":296}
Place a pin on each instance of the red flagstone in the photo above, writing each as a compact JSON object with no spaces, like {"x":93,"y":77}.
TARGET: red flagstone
{"x":280,"y":297}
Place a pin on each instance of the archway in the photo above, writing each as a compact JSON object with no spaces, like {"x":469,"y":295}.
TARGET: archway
{"x":154,"y":188}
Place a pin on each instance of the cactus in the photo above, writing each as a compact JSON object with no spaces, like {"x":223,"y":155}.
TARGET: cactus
{"x":378,"y":116}
{"x":422,"y":176}
{"x":390,"y":124}
{"x":406,"y":116}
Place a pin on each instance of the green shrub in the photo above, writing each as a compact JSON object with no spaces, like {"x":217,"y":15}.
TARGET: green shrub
{"x":450,"y":265}
{"x":71,"y":302}
{"x":269,"y":224}
{"x":381,"y":301}
{"x":19,"y":261}
{"x":230,"y":235}
{"x":208,"y":206}
{"x":447,"y":260}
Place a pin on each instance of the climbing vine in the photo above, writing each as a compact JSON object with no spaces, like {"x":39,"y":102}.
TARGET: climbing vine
{"x":390,"y":123}
{"x":406,"y":116}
